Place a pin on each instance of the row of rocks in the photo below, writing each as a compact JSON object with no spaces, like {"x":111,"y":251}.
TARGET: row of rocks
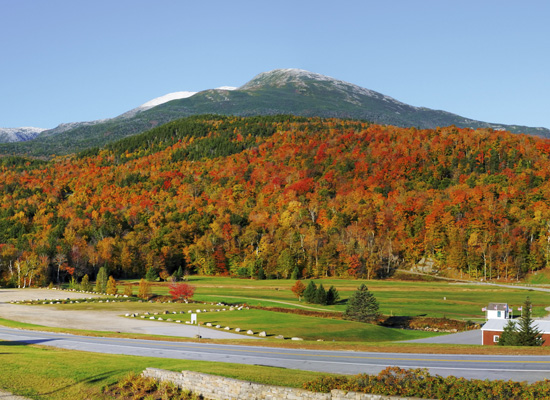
{"x":248,"y":332}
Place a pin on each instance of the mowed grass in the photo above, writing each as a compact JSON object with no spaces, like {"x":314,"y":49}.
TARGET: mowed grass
{"x":48,"y":373}
{"x":309,"y":328}
{"x":399,"y":298}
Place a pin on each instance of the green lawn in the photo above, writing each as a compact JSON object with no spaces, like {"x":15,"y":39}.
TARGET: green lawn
{"x":403,"y":298}
{"x":48,"y":373}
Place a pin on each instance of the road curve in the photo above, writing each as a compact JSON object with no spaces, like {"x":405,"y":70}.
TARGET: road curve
{"x":517,"y":368}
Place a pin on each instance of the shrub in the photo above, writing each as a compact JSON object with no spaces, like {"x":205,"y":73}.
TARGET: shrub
{"x":111,"y":286}
{"x":144,"y":291}
{"x":181,"y":291}
{"x":85,"y":284}
{"x":101,"y":281}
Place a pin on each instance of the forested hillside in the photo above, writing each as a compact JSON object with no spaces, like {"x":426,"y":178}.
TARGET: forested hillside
{"x":326,"y":197}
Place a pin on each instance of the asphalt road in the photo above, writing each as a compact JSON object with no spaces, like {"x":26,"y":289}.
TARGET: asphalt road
{"x":518,"y":368}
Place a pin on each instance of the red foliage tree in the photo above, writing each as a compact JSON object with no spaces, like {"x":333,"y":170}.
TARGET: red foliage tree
{"x":181,"y":291}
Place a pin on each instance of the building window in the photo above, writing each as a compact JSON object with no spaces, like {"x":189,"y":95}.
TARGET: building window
{"x":499,"y":314}
{"x":495,"y":338}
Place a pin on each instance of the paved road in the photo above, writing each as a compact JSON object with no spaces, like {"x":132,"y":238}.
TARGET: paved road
{"x":519,"y":368}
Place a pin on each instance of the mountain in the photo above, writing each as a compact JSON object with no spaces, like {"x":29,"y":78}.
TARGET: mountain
{"x":282,"y":91}
{"x":19,"y":134}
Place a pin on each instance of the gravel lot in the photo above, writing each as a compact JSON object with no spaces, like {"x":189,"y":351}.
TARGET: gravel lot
{"x":91,"y":320}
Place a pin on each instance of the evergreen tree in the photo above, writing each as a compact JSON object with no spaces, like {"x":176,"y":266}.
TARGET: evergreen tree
{"x":151,"y":275}
{"x":85,"y":283}
{"x":332,"y":296}
{"x":362,"y":306}
{"x":101,"y":280}
{"x":321,"y":295}
{"x":509,"y":336}
{"x":178,"y":275}
{"x":111,"y":286}
{"x":310,"y":292}
{"x":296,"y":274}
{"x":527,"y":334}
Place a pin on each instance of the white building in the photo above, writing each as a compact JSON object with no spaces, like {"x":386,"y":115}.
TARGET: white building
{"x":498,"y":311}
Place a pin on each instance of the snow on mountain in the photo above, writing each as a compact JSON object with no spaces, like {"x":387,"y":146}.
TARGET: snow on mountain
{"x":164,"y":99}
{"x":302,"y":78}
{"x":19,"y":134}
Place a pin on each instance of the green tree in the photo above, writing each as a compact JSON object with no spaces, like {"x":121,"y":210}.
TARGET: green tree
{"x":310,"y":292}
{"x":261,"y":273}
{"x":111,"y":286}
{"x":296,"y":273}
{"x":527,"y":334}
{"x":321,"y":295}
{"x":178,"y":275}
{"x":85,"y":283}
{"x":101,"y":281}
{"x":362,"y":306}
{"x":332,"y":296}
{"x":509,"y":336}
{"x":151,"y":275}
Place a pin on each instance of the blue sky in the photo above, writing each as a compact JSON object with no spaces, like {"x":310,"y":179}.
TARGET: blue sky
{"x":67,"y":60}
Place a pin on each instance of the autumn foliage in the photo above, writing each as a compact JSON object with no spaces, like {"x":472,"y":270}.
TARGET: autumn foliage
{"x":231,"y":196}
{"x":181,"y":291}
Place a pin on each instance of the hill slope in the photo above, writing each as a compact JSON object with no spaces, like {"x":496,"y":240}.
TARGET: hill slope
{"x":226,"y":195}
{"x":289,"y":91}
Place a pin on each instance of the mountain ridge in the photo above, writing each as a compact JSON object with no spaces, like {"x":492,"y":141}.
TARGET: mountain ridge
{"x":280,"y":91}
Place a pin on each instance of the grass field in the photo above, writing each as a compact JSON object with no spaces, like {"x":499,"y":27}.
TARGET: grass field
{"x":55,"y":374}
{"x":401,"y":298}
{"x":62,"y":374}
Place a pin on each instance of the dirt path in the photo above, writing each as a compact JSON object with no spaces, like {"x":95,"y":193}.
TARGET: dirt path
{"x":105,"y":320}
{"x":277,"y":302}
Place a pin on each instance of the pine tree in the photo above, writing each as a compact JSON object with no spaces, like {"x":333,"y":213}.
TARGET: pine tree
{"x":151,"y":275}
{"x":310,"y":292}
{"x":111,"y":286}
{"x":509,"y":336}
{"x":362,"y":306}
{"x":178,"y":275}
{"x":296,"y":274}
{"x":527,"y":334}
{"x":332,"y":296}
{"x":321,"y":295}
{"x":101,"y":281}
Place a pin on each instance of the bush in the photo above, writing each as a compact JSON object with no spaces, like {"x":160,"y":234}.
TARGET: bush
{"x":85,"y":284}
{"x":144,"y":291}
{"x":101,"y":281}
{"x":111,"y":286}
{"x":395,"y":381}
{"x":181,"y":291}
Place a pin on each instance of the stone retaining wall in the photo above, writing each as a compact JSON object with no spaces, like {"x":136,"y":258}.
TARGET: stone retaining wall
{"x":219,"y":388}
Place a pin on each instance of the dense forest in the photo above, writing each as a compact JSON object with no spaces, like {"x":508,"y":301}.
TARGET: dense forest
{"x":323,"y":197}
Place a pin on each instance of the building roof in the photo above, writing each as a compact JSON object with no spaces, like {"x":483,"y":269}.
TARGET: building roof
{"x":542,"y":325}
{"x":497,"y":307}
